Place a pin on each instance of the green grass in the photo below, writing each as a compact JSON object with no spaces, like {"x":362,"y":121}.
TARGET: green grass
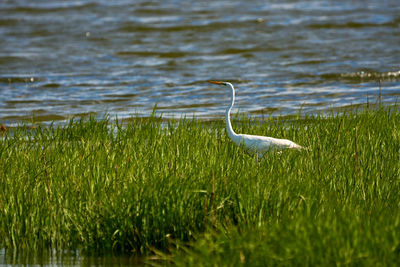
{"x":183,"y":188}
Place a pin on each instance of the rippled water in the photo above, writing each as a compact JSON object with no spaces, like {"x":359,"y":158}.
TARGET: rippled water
{"x":64,"y":58}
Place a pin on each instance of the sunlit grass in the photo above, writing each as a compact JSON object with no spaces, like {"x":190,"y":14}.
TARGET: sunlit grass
{"x":183,"y":187}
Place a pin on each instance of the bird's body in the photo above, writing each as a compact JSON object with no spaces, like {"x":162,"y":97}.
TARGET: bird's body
{"x":264,"y":144}
{"x":254,"y":144}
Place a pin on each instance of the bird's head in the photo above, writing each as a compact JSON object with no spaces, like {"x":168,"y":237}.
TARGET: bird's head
{"x":219,"y":83}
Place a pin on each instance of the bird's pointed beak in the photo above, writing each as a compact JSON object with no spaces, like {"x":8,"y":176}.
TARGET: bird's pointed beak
{"x":216,"y":82}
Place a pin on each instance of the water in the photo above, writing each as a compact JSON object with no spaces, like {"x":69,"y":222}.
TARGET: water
{"x":66,"y":58}
{"x":70,"y":258}
{"x":60,"y":59}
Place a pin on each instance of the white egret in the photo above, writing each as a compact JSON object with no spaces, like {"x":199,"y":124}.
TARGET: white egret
{"x":254,"y":144}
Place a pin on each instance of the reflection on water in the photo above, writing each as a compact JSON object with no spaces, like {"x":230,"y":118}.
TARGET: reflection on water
{"x":67,"y":258}
{"x":59,"y":59}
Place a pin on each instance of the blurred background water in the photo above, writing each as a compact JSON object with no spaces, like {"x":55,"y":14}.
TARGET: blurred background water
{"x":66,"y":58}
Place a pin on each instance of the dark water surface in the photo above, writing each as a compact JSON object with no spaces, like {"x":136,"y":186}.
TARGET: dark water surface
{"x":65,"y":58}
{"x":69,"y":258}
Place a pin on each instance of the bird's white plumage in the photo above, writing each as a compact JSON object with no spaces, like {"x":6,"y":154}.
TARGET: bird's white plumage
{"x":254,"y":144}
{"x":263,"y":144}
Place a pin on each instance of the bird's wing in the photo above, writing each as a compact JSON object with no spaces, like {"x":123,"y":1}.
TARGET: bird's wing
{"x":256,"y":143}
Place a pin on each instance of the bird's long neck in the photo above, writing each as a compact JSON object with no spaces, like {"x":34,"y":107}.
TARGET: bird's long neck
{"x":229,"y":128}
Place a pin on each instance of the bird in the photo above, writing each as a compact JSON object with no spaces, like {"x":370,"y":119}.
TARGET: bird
{"x":253,"y":144}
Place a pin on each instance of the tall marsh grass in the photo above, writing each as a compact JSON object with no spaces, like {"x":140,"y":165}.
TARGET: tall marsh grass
{"x":182,"y":186}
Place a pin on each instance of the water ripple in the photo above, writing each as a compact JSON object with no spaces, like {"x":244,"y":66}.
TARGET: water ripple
{"x":62,"y":59}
